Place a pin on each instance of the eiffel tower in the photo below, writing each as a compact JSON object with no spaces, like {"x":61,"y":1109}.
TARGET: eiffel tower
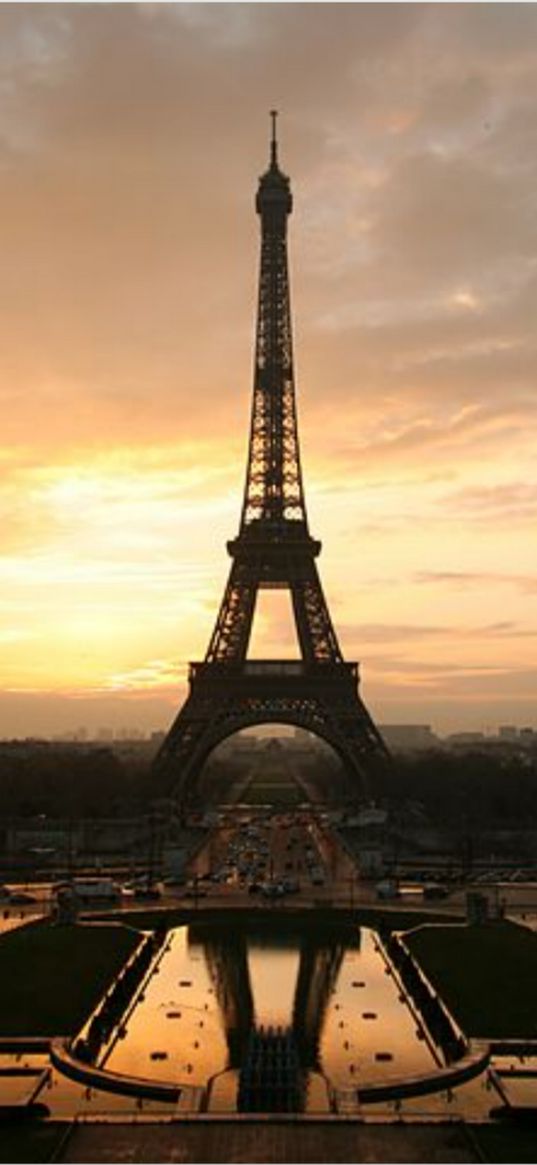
{"x":273,"y":549}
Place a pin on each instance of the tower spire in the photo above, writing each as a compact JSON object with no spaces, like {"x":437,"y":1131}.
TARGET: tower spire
{"x":274,"y":141}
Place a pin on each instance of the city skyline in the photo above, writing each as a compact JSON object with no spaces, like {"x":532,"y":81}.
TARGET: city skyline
{"x":131,"y":162}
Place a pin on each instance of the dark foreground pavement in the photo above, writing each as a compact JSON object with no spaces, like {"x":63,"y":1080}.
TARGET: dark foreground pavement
{"x":217,"y":1141}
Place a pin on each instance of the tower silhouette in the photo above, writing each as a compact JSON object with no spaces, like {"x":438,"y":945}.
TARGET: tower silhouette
{"x":273,"y":549}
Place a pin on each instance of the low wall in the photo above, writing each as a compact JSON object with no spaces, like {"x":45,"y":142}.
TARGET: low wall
{"x":92,"y":1077}
{"x":445,"y":1032}
{"x":428,"y":1083}
{"x":110,"y":1010}
{"x":512,"y":1047}
{"x":33,"y":1044}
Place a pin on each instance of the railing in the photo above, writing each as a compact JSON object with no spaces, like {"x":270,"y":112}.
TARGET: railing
{"x":273,"y":668}
{"x":254,"y":668}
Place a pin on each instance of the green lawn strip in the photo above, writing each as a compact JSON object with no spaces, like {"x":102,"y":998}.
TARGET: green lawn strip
{"x":31,"y":1142}
{"x":268,"y":793}
{"x":51,"y":977}
{"x":505,"y":1143}
{"x":486,"y":975}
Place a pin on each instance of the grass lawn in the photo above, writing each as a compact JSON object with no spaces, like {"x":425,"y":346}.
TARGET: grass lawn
{"x":272,"y":792}
{"x":486,"y":975}
{"x":51,"y":977}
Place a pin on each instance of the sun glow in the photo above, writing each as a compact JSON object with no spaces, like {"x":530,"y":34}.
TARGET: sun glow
{"x":465,"y":298}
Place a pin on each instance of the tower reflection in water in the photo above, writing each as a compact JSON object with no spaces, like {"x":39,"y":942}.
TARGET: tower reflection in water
{"x":273,"y":992}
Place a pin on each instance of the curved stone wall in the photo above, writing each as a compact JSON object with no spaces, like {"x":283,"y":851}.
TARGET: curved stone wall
{"x":63,"y":1059}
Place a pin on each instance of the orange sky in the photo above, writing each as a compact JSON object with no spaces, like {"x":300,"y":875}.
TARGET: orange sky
{"x":131,"y":139}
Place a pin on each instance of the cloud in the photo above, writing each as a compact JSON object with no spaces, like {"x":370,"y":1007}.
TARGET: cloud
{"x":156,"y":673}
{"x":412,"y":632}
{"x":470,"y":681}
{"x":512,"y":502}
{"x":527,"y":584}
{"x":451,"y":215}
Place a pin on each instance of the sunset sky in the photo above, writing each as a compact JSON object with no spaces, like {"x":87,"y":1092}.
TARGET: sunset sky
{"x":131,"y":140}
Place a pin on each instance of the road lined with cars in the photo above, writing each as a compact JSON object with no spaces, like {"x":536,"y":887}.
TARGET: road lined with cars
{"x":272,"y":856}
{"x":263,"y":857}
{"x":298,"y":856}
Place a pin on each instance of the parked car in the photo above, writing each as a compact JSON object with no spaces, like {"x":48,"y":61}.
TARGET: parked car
{"x":435,"y":890}
{"x":387,"y":889}
{"x":97,"y":890}
{"x":149,"y":892}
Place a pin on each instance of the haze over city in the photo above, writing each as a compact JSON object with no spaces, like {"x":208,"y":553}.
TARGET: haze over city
{"x":132,"y":140}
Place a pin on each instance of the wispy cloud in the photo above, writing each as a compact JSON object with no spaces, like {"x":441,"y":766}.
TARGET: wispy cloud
{"x":413,"y":632}
{"x":156,"y":673}
{"x":493,"y":579}
{"x":513,"y":502}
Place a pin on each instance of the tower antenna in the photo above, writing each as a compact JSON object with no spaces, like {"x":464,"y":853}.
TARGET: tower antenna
{"x":274,"y":140}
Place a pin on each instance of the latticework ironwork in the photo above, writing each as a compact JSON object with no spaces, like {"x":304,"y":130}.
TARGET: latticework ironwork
{"x":273,"y":549}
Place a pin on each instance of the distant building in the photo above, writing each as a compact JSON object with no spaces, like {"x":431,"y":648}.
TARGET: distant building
{"x":409,"y":736}
{"x":457,"y":738}
{"x":518,"y":737}
{"x":508,"y":732}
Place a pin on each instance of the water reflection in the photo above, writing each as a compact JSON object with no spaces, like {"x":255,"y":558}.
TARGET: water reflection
{"x":273,"y":990}
{"x":272,"y":994}
{"x":226,"y":956}
{"x":265,"y":979}
{"x":320,"y":965}
{"x":177,"y":1016}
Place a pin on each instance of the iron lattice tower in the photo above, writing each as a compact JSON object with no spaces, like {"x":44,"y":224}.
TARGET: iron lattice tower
{"x":273,"y":549}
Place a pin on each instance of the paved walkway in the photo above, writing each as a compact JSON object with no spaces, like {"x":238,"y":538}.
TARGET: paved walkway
{"x":269,"y":1142}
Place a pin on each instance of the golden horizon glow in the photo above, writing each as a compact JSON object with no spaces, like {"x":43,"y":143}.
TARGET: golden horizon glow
{"x":130,"y":246}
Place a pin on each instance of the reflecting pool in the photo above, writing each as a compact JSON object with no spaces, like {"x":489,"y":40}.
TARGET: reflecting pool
{"x":328,"y":989}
